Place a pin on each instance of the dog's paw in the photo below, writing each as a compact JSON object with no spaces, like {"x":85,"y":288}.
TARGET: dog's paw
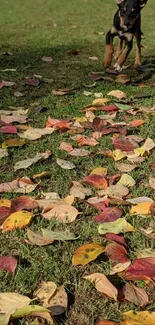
{"x":117,"y":67}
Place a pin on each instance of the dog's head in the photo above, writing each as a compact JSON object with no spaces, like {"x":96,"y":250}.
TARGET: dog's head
{"x":129,"y":11}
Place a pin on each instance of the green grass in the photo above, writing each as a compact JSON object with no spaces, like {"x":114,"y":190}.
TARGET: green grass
{"x":30,"y":30}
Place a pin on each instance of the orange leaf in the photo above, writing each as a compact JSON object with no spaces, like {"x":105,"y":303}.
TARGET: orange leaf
{"x":136,"y":123}
{"x":138,"y":318}
{"x":141,"y":208}
{"x":96,"y":181}
{"x":16,"y":220}
{"x":87,"y":253}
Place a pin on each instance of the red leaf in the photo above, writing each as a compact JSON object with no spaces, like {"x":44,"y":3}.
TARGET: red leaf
{"x":116,"y":238}
{"x":23,"y":203}
{"x":117,"y":253}
{"x":152,"y":166}
{"x":108,"y":215}
{"x":8,"y":129}
{"x":140,"y":269}
{"x":111,"y":179}
{"x":96,"y":181}
{"x":4,"y":213}
{"x":32,"y":82}
{"x":125,"y":144}
{"x":109,"y":108}
{"x":8,"y":263}
{"x":98,"y":124}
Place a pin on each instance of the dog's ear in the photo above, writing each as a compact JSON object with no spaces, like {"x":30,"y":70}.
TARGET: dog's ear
{"x":119,"y":2}
{"x":143,"y":3}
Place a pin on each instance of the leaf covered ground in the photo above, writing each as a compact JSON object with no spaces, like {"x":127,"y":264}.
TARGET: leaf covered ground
{"x":77,"y":162}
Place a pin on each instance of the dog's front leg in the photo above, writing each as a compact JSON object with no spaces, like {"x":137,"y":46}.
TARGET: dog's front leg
{"x":109,"y":48}
{"x":122,"y":58}
{"x":138,"y":49}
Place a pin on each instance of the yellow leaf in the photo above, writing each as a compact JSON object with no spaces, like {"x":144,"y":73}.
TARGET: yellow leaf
{"x":140,"y":151}
{"x":16,"y":220}
{"x":69,"y":199}
{"x":100,"y":101}
{"x":80,"y":119}
{"x":138,"y":318}
{"x":13,"y":143}
{"x":126,"y":180}
{"x":148,"y":145}
{"x":148,"y":252}
{"x":102,"y":284}
{"x":102,"y":171}
{"x":118,"y":154}
{"x":87,"y":253}
{"x":118,"y":226}
{"x":5,"y":203}
{"x":10,"y":301}
{"x":141,"y":208}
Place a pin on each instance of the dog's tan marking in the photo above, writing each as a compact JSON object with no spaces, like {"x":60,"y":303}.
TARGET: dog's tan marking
{"x":138,"y":52}
{"x":109,"y":50}
{"x":119,"y":49}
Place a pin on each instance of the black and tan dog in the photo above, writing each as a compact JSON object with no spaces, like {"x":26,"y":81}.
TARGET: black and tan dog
{"x":126,"y":25}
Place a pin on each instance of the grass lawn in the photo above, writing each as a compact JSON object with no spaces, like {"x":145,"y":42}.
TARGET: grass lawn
{"x":31,"y":30}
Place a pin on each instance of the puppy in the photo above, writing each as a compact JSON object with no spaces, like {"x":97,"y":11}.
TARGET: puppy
{"x":126,"y":25}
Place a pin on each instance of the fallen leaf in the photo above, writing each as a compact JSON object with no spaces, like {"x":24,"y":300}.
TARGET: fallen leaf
{"x":87,"y":253}
{"x":78,"y":190}
{"x":23,"y":164}
{"x":65,"y":164}
{"x":96,"y":181}
{"x":5,"y":203}
{"x":27,"y":311}
{"x":109,"y":214}
{"x":23,"y":203}
{"x":118,"y":226}
{"x":45,"y":292}
{"x":117,"y":94}
{"x":16,"y":220}
{"x":138,"y":318}
{"x":100,"y":101}
{"x":141,"y":209}
{"x":11,"y":301}
{"x":41,"y":314}
{"x":125,"y":168}
{"x":123,"y":79}
{"x":135,"y":295}
{"x":58,"y":235}
{"x":136,"y":123}
{"x":59,"y":302}
{"x":13,"y":118}
{"x":148,"y":145}
{"x":140,"y":269}
{"x":119,"y":267}
{"x":79,"y":153}
{"x":63,"y":212}
{"x":57,"y":123}
{"x":8,"y":263}
{"x":3,"y":153}
{"x":87,"y":93}
{"x":124,"y":143}
{"x":46,"y":59}
{"x":66,"y":146}
{"x":117,"y":253}
{"x":62,"y":92}
{"x":32,"y":82}
{"x":152,"y":182}
{"x":13,"y":143}
{"x":34,"y":134}
{"x":102,"y":171}
{"x":18,"y":94}
{"x":117,"y":190}
{"x":85,"y":141}
{"x":102,"y":284}
{"x":43,"y":174}
{"x":5,"y":83}
{"x":127,"y":180}
{"x":118,"y":154}
{"x":141,"y":199}
{"x":37,"y":239}
{"x":118,"y":239}
{"x":10,"y":129}
{"x":148,"y":252}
